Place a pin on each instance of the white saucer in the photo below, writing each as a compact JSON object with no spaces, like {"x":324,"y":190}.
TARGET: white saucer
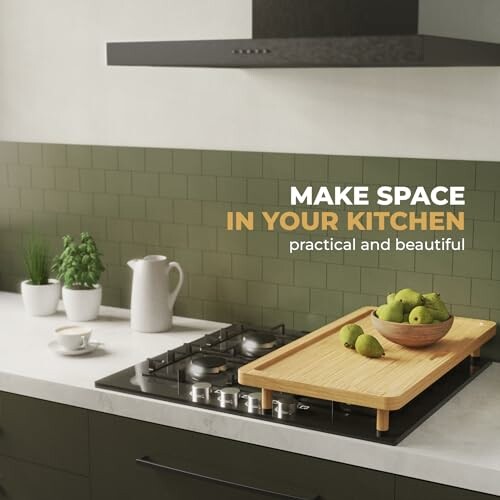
{"x":59,"y":349}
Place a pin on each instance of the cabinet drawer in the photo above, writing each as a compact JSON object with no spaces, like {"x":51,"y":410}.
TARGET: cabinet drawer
{"x":413,"y":489}
{"x":175,"y":457}
{"x":25,"y":481}
{"x":44,"y":433}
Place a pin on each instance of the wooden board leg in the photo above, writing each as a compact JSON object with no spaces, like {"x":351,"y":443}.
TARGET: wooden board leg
{"x":476,"y":353}
{"x":267,"y":399}
{"x":382,"y":421}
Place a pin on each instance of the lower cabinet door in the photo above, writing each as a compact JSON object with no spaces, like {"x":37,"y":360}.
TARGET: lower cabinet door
{"x":413,"y":489}
{"x":25,"y":481}
{"x":131,"y":460}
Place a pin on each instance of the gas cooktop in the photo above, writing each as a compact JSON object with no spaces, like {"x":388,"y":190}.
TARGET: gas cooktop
{"x":204,"y":373}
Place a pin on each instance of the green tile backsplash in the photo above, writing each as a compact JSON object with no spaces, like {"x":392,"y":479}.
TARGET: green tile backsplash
{"x":138,"y":201}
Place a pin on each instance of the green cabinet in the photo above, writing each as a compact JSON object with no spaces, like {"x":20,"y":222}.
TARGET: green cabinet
{"x":413,"y":489}
{"x":182,"y":465}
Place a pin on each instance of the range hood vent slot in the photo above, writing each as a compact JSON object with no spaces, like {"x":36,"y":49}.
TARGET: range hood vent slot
{"x":337,"y":33}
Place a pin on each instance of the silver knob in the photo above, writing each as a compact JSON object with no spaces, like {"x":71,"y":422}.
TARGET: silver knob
{"x":254,"y":402}
{"x":200,"y":391}
{"x":285,"y":406}
{"x":228,"y":397}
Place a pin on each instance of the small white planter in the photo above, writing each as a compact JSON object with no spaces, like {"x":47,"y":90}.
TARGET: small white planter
{"x":41,"y":300}
{"x":82,"y":305}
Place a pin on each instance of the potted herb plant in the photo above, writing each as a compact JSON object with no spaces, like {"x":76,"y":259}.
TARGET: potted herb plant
{"x":79,"y":267}
{"x":40,"y":293}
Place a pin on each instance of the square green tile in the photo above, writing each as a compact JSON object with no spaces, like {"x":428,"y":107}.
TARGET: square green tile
{"x":10,"y":197}
{"x":92,"y":181}
{"x":250,"y":315}
{"x":263,"y":244}
{"x":278,"y":166}
{"x":104,"y":157}
{"x":159,"y":160}
{"x":187,"y":211}
{"x":187,"y":162}
{"x":278,"y":271}
{"x":418,"y":281}
{"x":147,"y":232}
{"x":456,"y":173}
{"x":173,"y":186}
{"x":311,"y":167}
{"x":54,"y":155}
{"x":79,"y":156}
{"x":488,"y":176}
{"x":293,"y":298}
{"x":377,"y":281}
{"x":262,"y":294}
{"x":487,"y":235}
{"x":145,"y":184}
{"x":232,"y":290}
{"x":107,"y":205}
{"x":470,"y":312}
{"x":68,"y":224}
{"x":354,"y":301}
{"x":246,"y":164}
{"x":496,"y":266}
{"x":4,"y":175}
{"x":231,"y":189}
{"x":232,"y":241}
{"x":30,"y":154}
{"x":480,"y":205}
{"x":202,"y":237}
{"x":361,"y":258}
{"x":276,"y":317}
{"x":67,"y":179}
{"x":344,"y":278}
{"x":381,"y":171}
{"x":217,"y":163}
{"x":399,"y":260}
{"x":310,"y":274}
{"x":80,"y":203}
{"x":327,"y":302}
{"x":307,"y":322}
{"x":159,"y":209}
{"x":9,"y":152}
{"x":284,"y":240}
{"x":214,"y":213}
{"x":246,"y":267}
{"x":345,"y":169}
{"x":413,"y":172}
{"x":190,"y":259}
{"x":453,"y":290}
{"x":434,"y":262}
{"x":472,"y":263}
{"x":56,"y":201}
{"x":485,"y":293}
{"x":174,"y":235}
{"x":46,"y":224}
{"x":132,"y":207}
{"x":263,"y":192}
{"x":94,"y":225}
{"x":43,"y":178}
{"x":32,"y":199}
{"x":217,"y":264}
{"x":132,"y":159}
{"x":119,"y":230}
{"x":119,"y":182}
{"x":19,"y":176}
{"x":202,"y":187}
{"x":217,"y":311}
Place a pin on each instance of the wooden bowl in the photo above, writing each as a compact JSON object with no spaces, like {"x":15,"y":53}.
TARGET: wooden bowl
{"x":411,"y":335}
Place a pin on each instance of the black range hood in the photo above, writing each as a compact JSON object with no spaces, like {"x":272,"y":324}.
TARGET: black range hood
{"x":337,"y":33}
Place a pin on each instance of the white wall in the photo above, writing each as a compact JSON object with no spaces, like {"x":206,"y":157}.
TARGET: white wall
{"x":55,"y":87}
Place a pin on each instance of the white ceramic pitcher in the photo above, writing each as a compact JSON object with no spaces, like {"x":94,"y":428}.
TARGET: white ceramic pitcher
{"x":153,"y":299}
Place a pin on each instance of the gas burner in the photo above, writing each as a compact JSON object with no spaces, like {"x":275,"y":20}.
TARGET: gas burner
{"x":258,"y":343}
{"x":207,"y":365}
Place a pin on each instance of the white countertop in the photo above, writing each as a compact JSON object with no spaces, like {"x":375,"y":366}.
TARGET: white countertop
{"x":459,"y":445}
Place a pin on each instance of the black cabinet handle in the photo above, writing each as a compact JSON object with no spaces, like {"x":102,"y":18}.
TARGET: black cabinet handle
{"x":150,"y":463}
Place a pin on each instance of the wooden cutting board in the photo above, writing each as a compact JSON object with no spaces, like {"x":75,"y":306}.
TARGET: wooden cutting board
{"x":319,"y":366}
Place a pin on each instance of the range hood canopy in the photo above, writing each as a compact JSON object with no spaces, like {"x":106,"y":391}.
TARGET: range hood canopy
{"x":339,"y":33}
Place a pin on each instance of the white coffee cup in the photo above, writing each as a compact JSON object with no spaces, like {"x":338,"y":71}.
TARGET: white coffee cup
{"x":73,"y":337}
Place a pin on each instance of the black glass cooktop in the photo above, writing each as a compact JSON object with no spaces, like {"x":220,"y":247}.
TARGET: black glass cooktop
{"x":204,"y":373}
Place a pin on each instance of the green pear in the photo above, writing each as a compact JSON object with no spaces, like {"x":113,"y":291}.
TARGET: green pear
{"x":391,"y":298}
{"x":410,"y":299}
{"x":436,"y":306}
{"x":369,"y":346}
{"x":391,"y":312}
{"x":420,"y":315}
{"x":348,"y":335}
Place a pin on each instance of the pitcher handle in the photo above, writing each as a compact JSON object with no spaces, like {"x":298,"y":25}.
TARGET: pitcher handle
{"x":173,"y":293}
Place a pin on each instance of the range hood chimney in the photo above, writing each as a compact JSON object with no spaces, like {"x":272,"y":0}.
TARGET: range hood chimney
{"x":339,"y":33}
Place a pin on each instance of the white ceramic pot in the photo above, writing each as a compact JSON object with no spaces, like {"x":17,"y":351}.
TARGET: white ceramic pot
{"x":82,"y":305}
{"x":41,"y":300}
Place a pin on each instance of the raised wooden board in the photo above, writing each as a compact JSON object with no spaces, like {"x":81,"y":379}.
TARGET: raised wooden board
{"x":319,"y":366}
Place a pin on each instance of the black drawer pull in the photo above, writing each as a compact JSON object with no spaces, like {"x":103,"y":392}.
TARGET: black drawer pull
{"x":149,"y":463}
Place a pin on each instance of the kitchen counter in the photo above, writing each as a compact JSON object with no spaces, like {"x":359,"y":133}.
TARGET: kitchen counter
{"x":458,"y":446}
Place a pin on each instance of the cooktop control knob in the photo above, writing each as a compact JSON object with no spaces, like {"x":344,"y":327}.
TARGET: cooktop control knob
{"x":200,"y":391}
{"x":254,"y":402}
{"x":284,"y":406}
{"x":228,"y":397}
